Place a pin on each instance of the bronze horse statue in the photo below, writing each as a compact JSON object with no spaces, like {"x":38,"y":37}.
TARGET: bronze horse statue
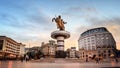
{"x":60,"y":23}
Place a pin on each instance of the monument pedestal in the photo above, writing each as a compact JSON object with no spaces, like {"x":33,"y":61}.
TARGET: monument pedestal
{"x":60,"y":36}
{"x":60,"y":54}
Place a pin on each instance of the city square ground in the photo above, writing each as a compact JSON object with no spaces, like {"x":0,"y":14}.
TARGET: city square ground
{"x":57,"y":63}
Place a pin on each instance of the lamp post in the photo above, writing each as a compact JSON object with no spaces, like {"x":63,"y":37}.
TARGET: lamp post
{"x":107,"y":55}
{"x":107,"y":41}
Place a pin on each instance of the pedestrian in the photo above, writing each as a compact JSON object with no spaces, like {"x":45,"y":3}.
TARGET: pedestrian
{"x":97,"y":60}
{"x":26,"y":58}
{"x":21,"y":59}
{"x":116,"y":60}
{"x":86,"y":59}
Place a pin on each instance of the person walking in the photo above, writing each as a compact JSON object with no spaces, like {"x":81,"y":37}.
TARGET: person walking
{"x":26,"y":58}
{"x":21,"y":58}
{"x":116,"y":60}
{"x":97,"y":60}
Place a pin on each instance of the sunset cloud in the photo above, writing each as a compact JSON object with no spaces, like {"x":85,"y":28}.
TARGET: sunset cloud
{"x":29,"y":21}
{"x":80,"y":12}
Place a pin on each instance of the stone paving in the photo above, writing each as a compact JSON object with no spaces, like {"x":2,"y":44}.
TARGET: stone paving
{"x":58,"y":63}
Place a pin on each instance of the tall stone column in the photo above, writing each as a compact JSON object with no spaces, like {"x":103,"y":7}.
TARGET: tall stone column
{"x":60,"y":36}
{"x":60,"y":43}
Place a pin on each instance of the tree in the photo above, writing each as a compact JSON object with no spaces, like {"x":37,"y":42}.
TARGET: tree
{"x":39,"y":54}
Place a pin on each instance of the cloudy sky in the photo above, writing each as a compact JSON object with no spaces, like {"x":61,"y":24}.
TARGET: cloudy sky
{"x":29,"y":21}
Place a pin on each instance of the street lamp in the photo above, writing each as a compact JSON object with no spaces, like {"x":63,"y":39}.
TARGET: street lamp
{"x":107,"y":40}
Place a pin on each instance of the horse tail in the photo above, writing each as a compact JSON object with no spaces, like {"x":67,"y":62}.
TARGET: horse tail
{"x":53,"y":19}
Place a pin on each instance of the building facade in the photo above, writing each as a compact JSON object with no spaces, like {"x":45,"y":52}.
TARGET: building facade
{"x":71,"y":52}
{"x":97,"y":42}
{"x":49,"y":49}
{"x":22,"y":49}
{"x":9,"y":48}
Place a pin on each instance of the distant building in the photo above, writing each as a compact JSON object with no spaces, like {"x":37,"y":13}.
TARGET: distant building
{"x":9,"y":48}
{"x":71,"y":53}
{"x":73,"y":48}
{"x":68,"y":53}
{"x":96,"y":42}
{"x":49,"y":49}
{"x":22,"y":49}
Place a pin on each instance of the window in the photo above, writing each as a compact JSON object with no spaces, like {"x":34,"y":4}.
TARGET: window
{"x":83,"y":55}
{"x":85,"y":47}
{"x":88,"y":41}
{"x":106,"y":37}
{"x":104,"y":55}
{"x":98,"y":38}
{"x":102,"y":38}
{"x":83,"y":52}
{"x":92,"y":40}
{"x":104,"y":51}
{"x":93,"y":47}
{"x":109,"y":51}
{"x":92,"y":37}
{"x":98,"y":51}
{"x":88,"y":47}
{"x":93,"y":43}
{"x":1,"y":44}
